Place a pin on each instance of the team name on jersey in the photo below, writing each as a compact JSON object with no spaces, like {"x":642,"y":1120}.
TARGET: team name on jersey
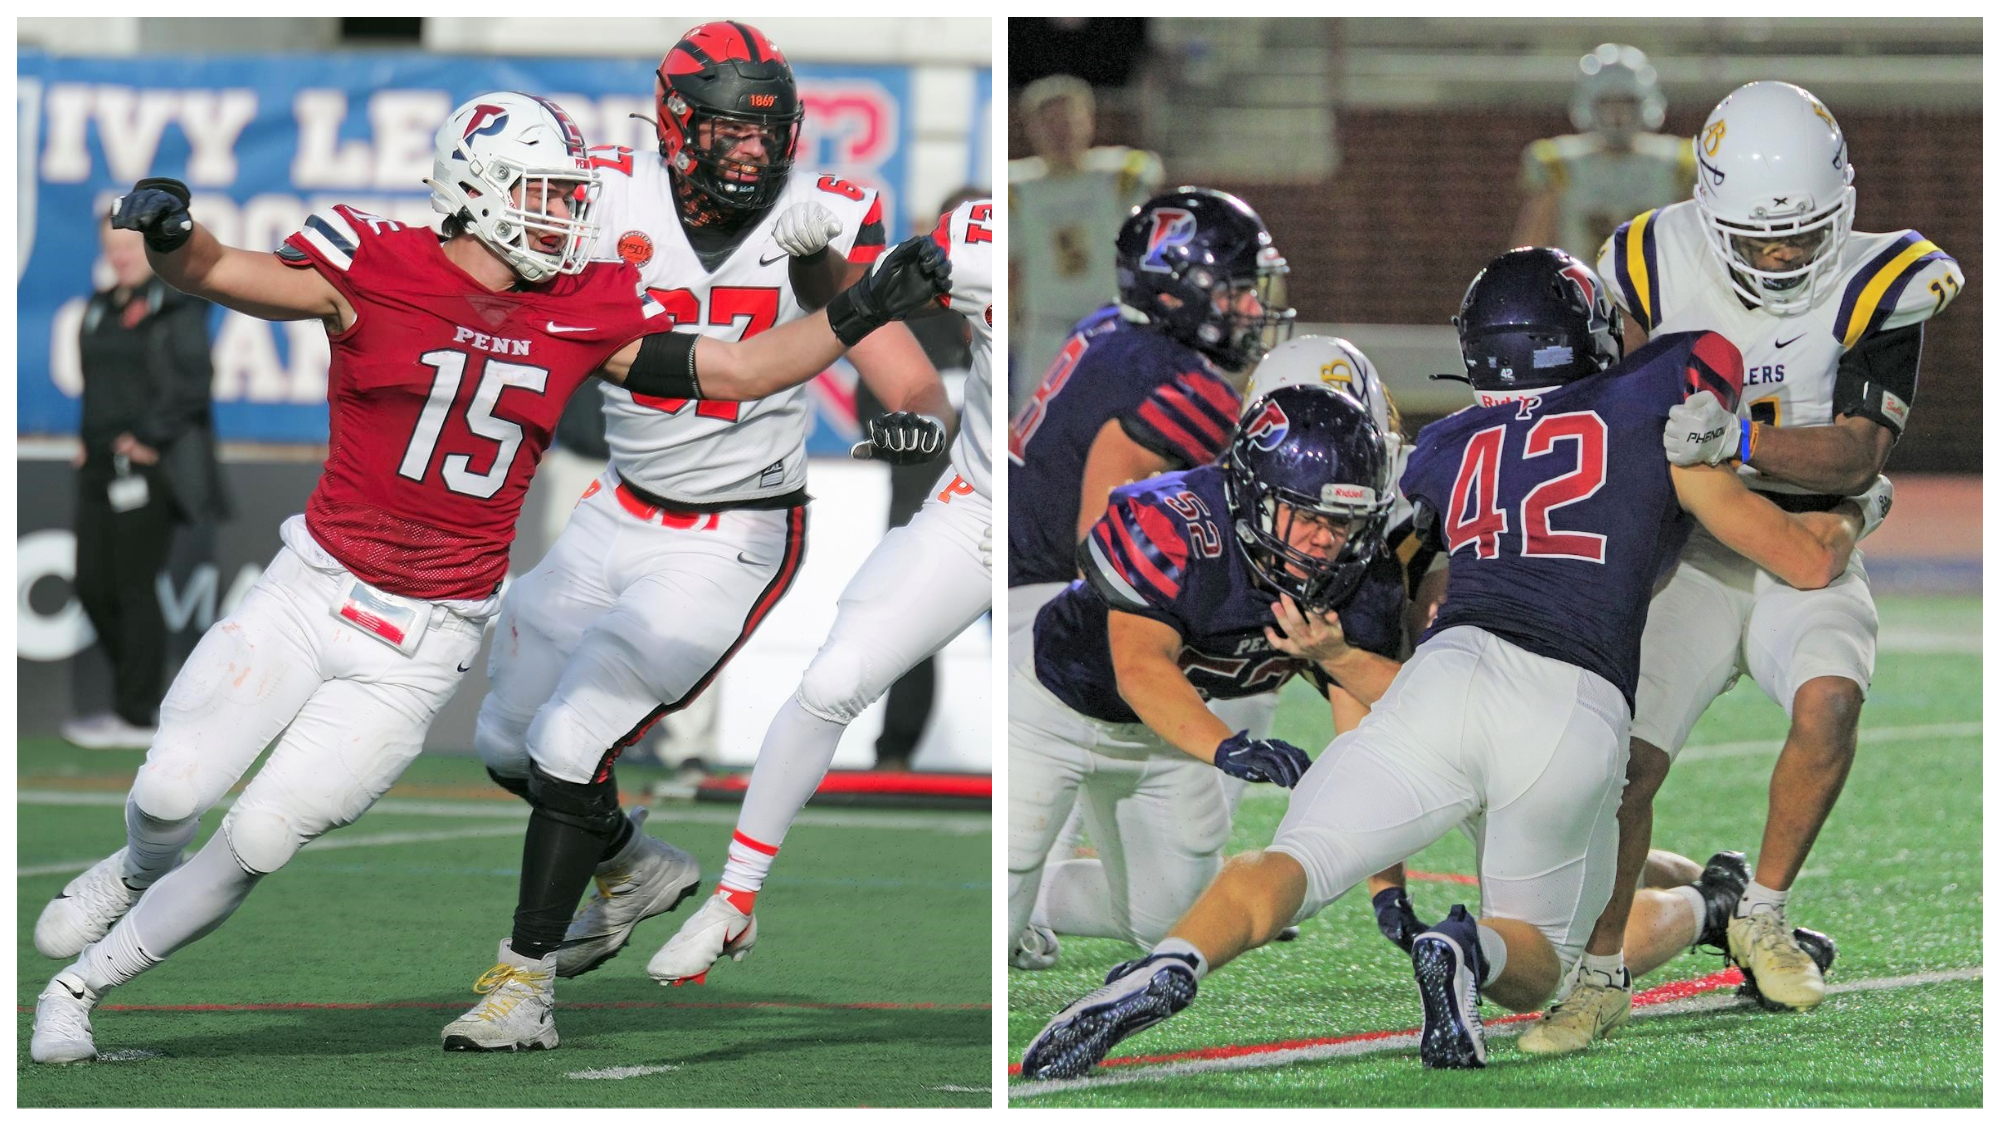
{"x":495,"y":344}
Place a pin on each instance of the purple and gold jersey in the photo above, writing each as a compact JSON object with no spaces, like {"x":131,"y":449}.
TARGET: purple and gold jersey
{"x":1162,"y":394}
{"x":1164,"y":550}
{"x":1558,"y":512}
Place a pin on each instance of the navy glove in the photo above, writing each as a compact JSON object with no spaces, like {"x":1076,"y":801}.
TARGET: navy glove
{"x":902,"y":438}
{"x":1263,"y":759}
{"x":1396,"y":918}
{"x":907,"y":279}
{"x":157,"y":208}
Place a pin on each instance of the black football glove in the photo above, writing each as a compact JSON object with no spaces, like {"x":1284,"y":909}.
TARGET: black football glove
{"x":157,"y":208}
{"x":901,"y":438}
{"x":907,"y":278}
{"x":1263,"y":759}
{"x":1396,"y":918}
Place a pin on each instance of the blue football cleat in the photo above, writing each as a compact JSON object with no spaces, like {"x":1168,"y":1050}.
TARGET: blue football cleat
{"x":1449,"y":967}
{"x":1137,"y":995}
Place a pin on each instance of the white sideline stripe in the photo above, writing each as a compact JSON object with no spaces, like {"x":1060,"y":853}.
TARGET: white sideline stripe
{"x":1754,"y":747}
{"x":1713,"y":1001}
{"x":962,"y":1089}
{"x":948,"y":824}
{"x":616,"y":1072}
{"x":1923,"y":641}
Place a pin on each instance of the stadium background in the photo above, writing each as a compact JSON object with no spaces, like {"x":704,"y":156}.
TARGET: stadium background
{"x":269,"y":119}
{"x":1384,"y":154}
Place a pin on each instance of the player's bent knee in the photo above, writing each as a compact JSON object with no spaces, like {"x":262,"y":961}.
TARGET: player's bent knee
{"x":164,"y":795}
{"x":1828,"y":709}
{"x":502,"y":742}
{"x":836,"y":687}
{"x":261,"y":840}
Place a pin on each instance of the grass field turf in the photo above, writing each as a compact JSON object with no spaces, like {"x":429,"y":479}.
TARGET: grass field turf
{"x":1895,"y":877}
{"x":330,"y":985}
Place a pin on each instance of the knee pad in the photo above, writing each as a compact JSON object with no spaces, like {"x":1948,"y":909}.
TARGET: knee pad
{"x":261,"y":840}
{"x":836,"y":686}
{"x":590,"y":806}
{"x":502,"y":741}
{"x":159,"y":794}
{"x":518,"y":786}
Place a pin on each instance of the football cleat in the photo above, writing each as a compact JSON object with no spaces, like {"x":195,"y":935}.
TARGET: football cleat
{"x":518,"y":1012}
{"x":1721,"y":886}
{"x":656,"y":880}
{"x":86,"y":909}
{"x":716,"y":931}
{"x":1773,"y":961}
{"x":62,"y":1021}
{"x":1592,"y":1010}
{"x":1038,"y":949}
{"x":1136,"y":995}
{"x":1817,"y":946}
{"x":1449,"y":967}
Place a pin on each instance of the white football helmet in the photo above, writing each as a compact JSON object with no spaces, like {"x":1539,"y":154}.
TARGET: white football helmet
{"x":1614,"y":70}
{"x":499,"y":142}
{"x":1773,"y":168}
{"x":1328,"y":360}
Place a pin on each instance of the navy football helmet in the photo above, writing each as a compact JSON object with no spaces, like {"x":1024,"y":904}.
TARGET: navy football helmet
{"x":1534,"y":318}
{"x":1190,"y":259}
{"x":1308,"y":452}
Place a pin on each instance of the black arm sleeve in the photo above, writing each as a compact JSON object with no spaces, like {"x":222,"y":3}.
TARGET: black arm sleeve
{"x":1877,"y":378}
{"x":664,"y":366}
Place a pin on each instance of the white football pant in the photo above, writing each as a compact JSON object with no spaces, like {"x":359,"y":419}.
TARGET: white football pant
{"x":1529,"y":749}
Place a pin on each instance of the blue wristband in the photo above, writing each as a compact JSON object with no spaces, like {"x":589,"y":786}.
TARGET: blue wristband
{"x":1743,"y":443}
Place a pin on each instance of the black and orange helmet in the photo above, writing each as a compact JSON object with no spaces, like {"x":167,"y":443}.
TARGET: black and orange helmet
{"x":723,"y":73}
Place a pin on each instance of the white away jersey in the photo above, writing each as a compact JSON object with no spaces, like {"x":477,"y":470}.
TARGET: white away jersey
{"x":1597,"y":188}
{"x":967,"y":237}
{"x":715,"y":452}
{"x":1664,"y":276}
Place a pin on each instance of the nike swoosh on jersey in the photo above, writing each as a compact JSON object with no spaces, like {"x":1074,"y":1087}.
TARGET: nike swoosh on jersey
{"x":465,"y":667}
{"x":768,"y":261}
{"x":554,"y":327}
{"x":1793,"y":340}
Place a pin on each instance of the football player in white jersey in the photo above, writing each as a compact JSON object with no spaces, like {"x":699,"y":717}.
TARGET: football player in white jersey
{"x":1830,"y":324}
{"x":1582,"y":185}
{"x":679,"y":550}
{"x":924,"y":584}
{"x":1064,"y":207}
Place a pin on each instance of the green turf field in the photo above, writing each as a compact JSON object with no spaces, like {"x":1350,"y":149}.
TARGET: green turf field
{"x":329,"y":987}
{"x":1895,"y":878}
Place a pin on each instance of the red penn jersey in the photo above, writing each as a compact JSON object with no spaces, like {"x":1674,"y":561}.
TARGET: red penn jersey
{"x":443,"y":395}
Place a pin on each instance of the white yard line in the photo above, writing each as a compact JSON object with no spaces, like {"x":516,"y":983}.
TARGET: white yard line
{"x":949,"y":824}
{"x":1754,"y":747}
{"x":616,"y":1072}
{"x":1402,"y":1042}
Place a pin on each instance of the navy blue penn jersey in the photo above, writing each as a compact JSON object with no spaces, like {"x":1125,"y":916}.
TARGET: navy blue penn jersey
{"x":1163,"y":395}
{"x":1558,"y":511}
{"x":1165,"y":550}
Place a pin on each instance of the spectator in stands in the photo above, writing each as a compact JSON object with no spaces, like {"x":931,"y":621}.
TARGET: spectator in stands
{"x":1581,"y":186}
{"x":1065,"y":205}
{"x":147,"y":463}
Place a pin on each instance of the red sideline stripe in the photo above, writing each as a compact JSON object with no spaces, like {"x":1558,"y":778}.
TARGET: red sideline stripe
{"x":871,"y":781}
{"x":452,"y":1006}
{"x":1444,"y":877}
{"x":754,"y":845}
{"x":1678,"y":990}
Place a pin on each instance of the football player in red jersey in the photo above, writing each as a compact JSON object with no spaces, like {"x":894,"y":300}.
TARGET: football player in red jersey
{"x":452,"y":359}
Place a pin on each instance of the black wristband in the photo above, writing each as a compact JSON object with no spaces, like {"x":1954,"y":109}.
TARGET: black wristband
{"x":849,"y":321}
{"x":664,"y":366}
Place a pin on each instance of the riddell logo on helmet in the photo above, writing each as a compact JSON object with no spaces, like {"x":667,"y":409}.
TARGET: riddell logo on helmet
{"x":1346,"y":494}
{"x":1268,"y":428}
{"x":1171,"y":227}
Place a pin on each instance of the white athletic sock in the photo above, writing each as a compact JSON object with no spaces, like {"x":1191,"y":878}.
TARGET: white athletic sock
{"x":1495,"y":948}
{"x":1186,"y":949}
{"x":183,"y":907}
{"x":152,"y":846}
{"x":1758,"y":895}
{"x":1609,"y":970}
{"x":1697,"y":907}
{"x":797,"y":750}
{"x":1076,"y":900}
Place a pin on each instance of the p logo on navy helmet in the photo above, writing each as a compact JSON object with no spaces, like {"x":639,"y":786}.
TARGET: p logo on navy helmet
{"x":1171,"y":227}
{"x":1268,"y":429}
{"x":486,"y":121}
